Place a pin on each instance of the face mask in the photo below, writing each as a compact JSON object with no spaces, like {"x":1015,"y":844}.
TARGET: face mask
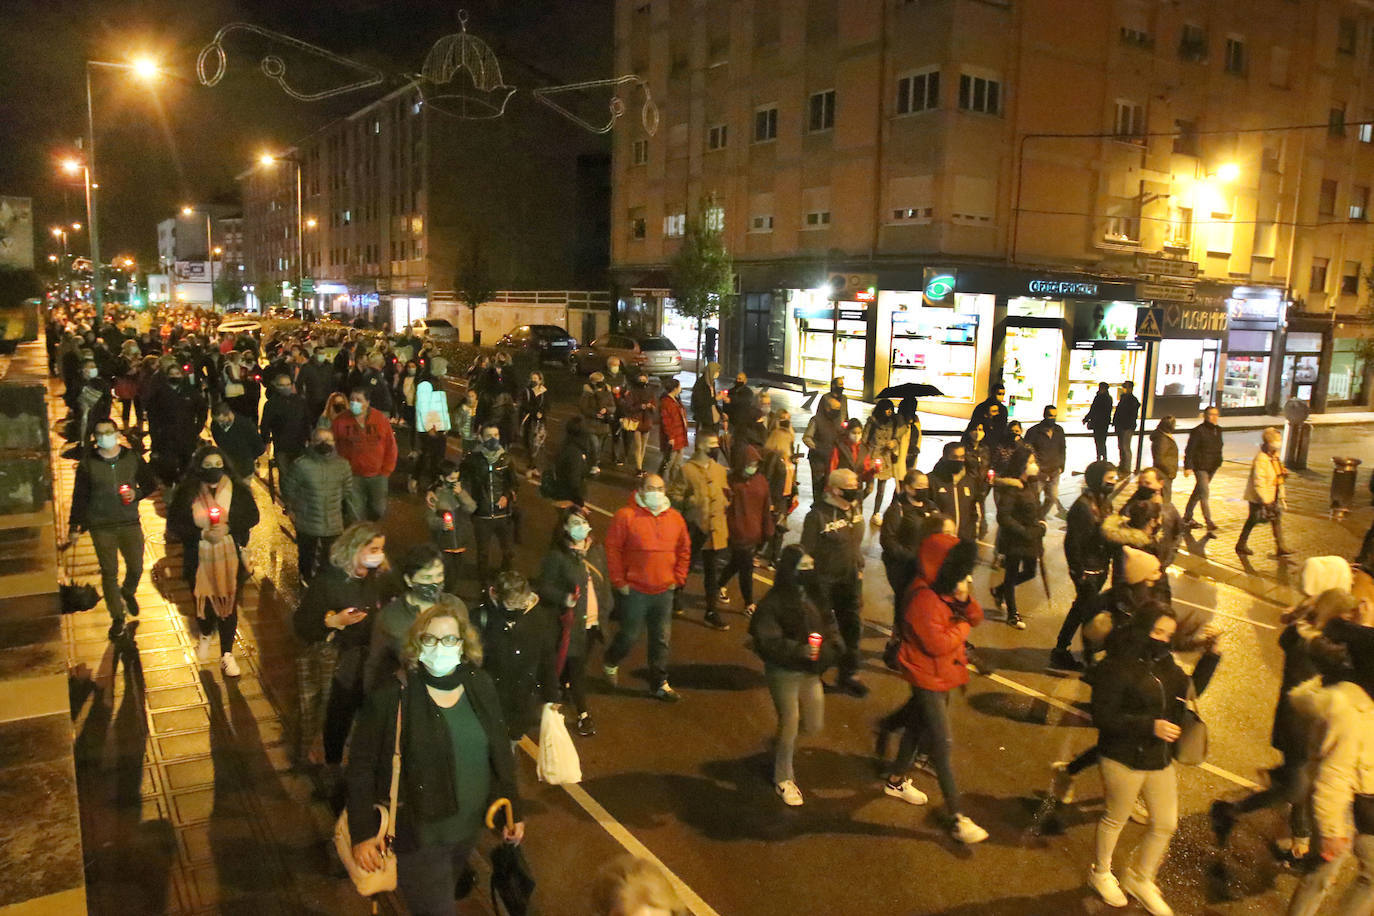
{"x":850,"y":495}
{"x":440,"y":660}
{"x":579,"y":532}
{"x":92,"y":373}
{"x":355,"y":408}
{"x":806,"y":563}
{"x":319,"y":358}
{"x":653,"y":500}
{"x":374,"y":560}
{"x":283,"y":390}
{"x":174,"y":379}
{"x":224,"y":422}
{"x":410,"y":372}
{"x":212,"y":475}
{"x":491,"y":445}
{"x":107,"y":441}
{"x":751,"y":470}
{"x":324,"y":448}
{"x":1159,"y":648}
{"x":427,"y":592}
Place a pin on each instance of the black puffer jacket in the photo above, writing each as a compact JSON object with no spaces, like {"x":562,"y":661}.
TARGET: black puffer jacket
{"x":487,"y":481}
{"x":1085,"y":549}
{"x":1131,"y":689}
{"x":1019,"y":531}
{"x":520,"y":652}
{"x":782,"y":626}
{"x":1204,"y":449}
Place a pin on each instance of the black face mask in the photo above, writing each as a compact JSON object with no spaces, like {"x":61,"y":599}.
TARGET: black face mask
{"x":1158,"y":649}
{"x":917,"y":497}
{"x":324,"y":448}
{"x":850,"y":495}
{"x":212,"y":475}
{"x":426,"y":591}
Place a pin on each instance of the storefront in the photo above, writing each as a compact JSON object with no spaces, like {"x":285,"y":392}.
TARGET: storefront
{"x":1254,"y":315}
{"x":1189,"y":358}
{"x":1302,"y":356}
{"x":1348,"y":384}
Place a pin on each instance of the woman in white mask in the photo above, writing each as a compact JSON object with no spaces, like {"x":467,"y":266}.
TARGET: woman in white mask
{"x":455,"y":760}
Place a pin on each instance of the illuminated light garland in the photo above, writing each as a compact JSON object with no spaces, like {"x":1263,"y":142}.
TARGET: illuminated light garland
{"x":213,"y":62}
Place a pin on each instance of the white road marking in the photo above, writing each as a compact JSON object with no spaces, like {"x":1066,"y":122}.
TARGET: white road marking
{"x":1241,"y":617}
{"x":625,"y":838}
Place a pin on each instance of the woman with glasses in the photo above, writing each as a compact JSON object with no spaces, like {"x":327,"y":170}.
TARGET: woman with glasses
{"x":455,"y":760}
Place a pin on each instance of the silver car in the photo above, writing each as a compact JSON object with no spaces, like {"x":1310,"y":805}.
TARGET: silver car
{"x":655,"y":355}
{"x":434,"y":328}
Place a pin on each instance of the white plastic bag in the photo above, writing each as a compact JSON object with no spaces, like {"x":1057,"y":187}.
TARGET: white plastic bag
{"x":557,"y":762}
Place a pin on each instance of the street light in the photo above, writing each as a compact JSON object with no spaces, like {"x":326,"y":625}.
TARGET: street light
{"x":1228,"y":172}
{"x":147,"y":70}
{"x":269,"y":159}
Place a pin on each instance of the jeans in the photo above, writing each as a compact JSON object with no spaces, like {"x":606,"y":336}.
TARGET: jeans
{"x":1123,"y":785}
{"x":1019,"y":569}
{"x":843,"y":598}
{"x":312,"y":553}
{"x":367,"y":498}
{"x":485,"y":531}
{"x":1086,"y":587}
{"x":1049,"y":481}
{"x":1202,"y":492}
{"x":426,"y":877}
{"x":1256,"y":517}
{"x":1125,"y":460}
{"x":927,"y":729}
{"x":800,"y":704}
{"x":741,"y":561}
{"x":594,"y":451}
{"x":110,"y":544}
{"x":1359,"y":896}
{"x":1100,"y":441}
{"x":636,"y":610}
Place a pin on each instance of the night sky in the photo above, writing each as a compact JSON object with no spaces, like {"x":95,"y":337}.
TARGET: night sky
{"x":182,"y":142}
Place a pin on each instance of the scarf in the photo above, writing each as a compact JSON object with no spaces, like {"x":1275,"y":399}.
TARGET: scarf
{"x":430,"y":782}
{"x":217,"y":574}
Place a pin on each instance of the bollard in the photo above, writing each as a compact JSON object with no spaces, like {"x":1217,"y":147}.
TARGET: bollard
{"x":1299,"y":440}
{"x":1343,"y":485}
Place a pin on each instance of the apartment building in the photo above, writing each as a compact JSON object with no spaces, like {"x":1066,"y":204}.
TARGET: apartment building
{"x":1048,"y":193}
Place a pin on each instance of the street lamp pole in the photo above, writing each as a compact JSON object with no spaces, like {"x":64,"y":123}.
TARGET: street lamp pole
{"x":93,"y":223}
{"x":300,"y":238}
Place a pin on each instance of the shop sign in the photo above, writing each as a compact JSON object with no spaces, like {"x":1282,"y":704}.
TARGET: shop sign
{"x":1017,"y":283}
{"x":1254,"y":309}
{"x":1192,"y":321}
{"x":652,"y":293}
{"x":828,"y":312}
{"x":1062,"y":288}
{"x":939,"y":286}
{"x":1105,"y":321}
{"x":1159,"y":293}
{"x":1165,"y":267}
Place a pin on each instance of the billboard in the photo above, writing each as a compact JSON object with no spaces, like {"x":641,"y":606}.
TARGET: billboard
{"x":16,"y":232}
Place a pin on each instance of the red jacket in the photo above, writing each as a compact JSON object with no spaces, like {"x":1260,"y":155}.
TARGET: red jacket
{"x":369,"y":447}
{"x":649,"y":553}
{"x":673,"y":428}
{"x":854,"y":456}
{"x":749,"y":515}
{"x":932,"y":654}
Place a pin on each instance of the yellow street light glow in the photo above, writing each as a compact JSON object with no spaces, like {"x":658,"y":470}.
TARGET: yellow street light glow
{"x":57,"y":232}
{"x":219,"y":250}
{"x":71,"y":166}
{"x":311,"y":223}
{"x":266,"y":159}
{"x":52,"y":258}
{"x":145,"y":68}
{"x":76,"y":227}
{"x":1228,"y":172}
{"x":187,"y":211}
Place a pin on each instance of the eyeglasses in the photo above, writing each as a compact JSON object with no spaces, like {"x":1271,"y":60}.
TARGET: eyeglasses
{"x":429,"y":641}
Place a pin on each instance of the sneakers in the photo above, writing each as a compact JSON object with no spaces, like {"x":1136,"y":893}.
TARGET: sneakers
{"x":1139,"y":813}
{"x":1223,"y":817}
{"x":853,"y":686}
{"x":749,"y":610}
{"x":228,"y":665}
{"x":789,"y":793}
{"x":906,"y":792}
{"x":205,"y":649}
{"x":612,"y":673}
{"x":1063,"y":660}
{"x":1107,"y":887}
{"x":666,"y":693}
{"x":714,"y":621}
{"x":966,"y":831}
{"x":1015,"y":621}
{"x":876,"y":521}
{"x":585,"y":727}
{"x":130,"y":605}
{"x":1061,"y":782}
{"x":723,"y":596}
{"x":1147,"y":893}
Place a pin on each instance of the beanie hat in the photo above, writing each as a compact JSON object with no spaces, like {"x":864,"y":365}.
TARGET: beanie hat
{"x":1322,"y":573}
{"x":1095,"y":472}
{"x":1137,"y":565}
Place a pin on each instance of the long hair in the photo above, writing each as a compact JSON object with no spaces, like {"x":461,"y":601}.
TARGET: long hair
{"x":353,"y":539}
{"x":190,"y":479}
{"x":446,"y":606}
{"x":627,"y":885}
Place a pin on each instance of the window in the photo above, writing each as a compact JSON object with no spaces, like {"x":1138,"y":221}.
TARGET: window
{"x":1136,"y":37}
{"x":765,"y":123}
{"x":911,"y":200}
{"x":980,"y":93}
{"x":1192,"y":43}
{"x":761,"y":212}
{"x":1317,"y":281}
{"x":1335,"y":120}
{"x":639,"y":152}
{"x":674,"y":225}
{"x":717,"y":136}
{"x":715,"y":219}
{"x":918,"y":92}
{"x":975,"y":200}
{"x":815,"y":208}
{"x":821,"y":111}
{"x":1130,"y":121}
{"x":1235,"y":55}
{"x":761,"y":224}
{"x":1123,"y":221}
{"x":1364,"y":131}
{"x":1346,"y":32}
{"x":1180,"y":230}
{"x":1278,"y":67}
{"x":1326,"y":204}
{"x":815,"y":219}
{"x":1359,"y":202}
{"x":1350,"y":279}
{"x":1185,"y":139}
{"x":639,"y":226}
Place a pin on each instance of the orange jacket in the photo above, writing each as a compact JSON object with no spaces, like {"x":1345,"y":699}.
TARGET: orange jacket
{"x":649,"y":553}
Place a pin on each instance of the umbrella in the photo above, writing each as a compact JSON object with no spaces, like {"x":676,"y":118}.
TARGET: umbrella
{"x":1045,"y":578}
{"x":911,"y":390}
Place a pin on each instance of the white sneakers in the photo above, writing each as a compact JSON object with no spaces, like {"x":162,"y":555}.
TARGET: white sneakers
{"x":1061,"y":786}
{"x":967,"y":832}
{"x":228,"y":665}
{"x":205,"y":649}
{"x":1107,"y":887}
{"x":789,"y":793}
{"x":906,"y":792}
{"x":1146,"y":892}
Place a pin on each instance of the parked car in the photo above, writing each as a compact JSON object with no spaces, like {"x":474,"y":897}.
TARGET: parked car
{"x":281,"y":311}
{"x":655,"y":355}
{"x":436,"y":328}
{"x":545,"y":342}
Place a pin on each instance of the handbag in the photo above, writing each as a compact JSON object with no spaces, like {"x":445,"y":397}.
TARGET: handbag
{"x":1191,"y":747}
{"x":383,"y":879}
{"x":557,"y":763}
{"x":512,"y":885}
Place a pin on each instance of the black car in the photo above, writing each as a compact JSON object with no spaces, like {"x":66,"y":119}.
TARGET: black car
{"x":546,"y":342}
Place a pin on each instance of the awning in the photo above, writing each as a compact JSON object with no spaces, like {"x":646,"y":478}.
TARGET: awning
{"x":653,"y":283}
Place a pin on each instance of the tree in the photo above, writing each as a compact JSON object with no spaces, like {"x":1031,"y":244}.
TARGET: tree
{"x":474,"y":283}
{"x":228,"y":290}
{"x":702,"y":273}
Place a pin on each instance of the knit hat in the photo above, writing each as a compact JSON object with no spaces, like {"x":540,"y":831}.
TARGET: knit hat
{"x":1095,"y":472}
{"x":1322,"y":573}
{"x":1137,"y":565}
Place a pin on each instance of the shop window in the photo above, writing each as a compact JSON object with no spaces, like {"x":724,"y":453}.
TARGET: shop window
{"x":1350,"y":279}
{"x":821,"y":111}
{"x":980,"y":93}
{"x":1335,"y":120}
{"x":1185,"y":138}
{"x":1345,"y":383}
{"x":1235,"y":61}
{"x":1129,"y":124}
{"x":1245,"y":381}
{"x":717,"y":136}
{"x":766,"y":124}
{"x":1326,"y":203}
{"x":1317,"y":278}
{"x":975,"y":200}
{"x":911,"y":199}
{"x":674,"y":225}
{"x":1278,"y":67}
{"x":1346,"y":35}
{"x":1192,"y":43}
{"x":918,"y":92}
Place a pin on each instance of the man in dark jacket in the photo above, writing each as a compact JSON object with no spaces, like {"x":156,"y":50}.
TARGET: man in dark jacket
{"x":520,"y":650}
{"x":110,"y":480}
{"x":1123,"y":424}
{"x":955,"y":493}
{"x":1088,"y":555}
{"x":992,"y":413}
{"x":906,"y":523}
{"x":1046,"y":440}
{"x":374,"y":380}
{"x":1099,"y":418}
{"x":491,"y":481}
{"x":286,"y":423}
{"x":178,"y":416}
{"x":315,"y":382}
{"x":239,"y":438}
{"x":833,"y":535}
{"x":315,"y":490}
{"x":1202,"y":457}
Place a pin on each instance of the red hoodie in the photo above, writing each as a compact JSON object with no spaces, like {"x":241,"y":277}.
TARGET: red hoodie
{"x":649,"y":553}
{"x":749,"y":516}
{"x":932,"y":654}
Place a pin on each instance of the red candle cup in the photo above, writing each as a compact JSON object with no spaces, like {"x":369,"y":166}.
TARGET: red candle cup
{"x":126,"y":494}
{"x":215,"y":513}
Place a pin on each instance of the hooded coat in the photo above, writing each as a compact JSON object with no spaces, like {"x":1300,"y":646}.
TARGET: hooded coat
{"x":646,"y":552}
{"x":705,"y":413}
{"x":783,"y":623}
{"x":1085,"y":549}
{"x":597,"y":406}
{"x":932,"y":652}
{"x":825,"y":430}
{"x":1019,"y":530}
{"x":749,"y":516}
{"x":887,"y":442}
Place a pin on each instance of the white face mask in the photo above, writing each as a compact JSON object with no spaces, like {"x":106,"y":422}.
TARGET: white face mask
{"x":373,"y":560}
{"x":440,"y":660}
{"x":107,"y":441}
{"x":653,"y":500}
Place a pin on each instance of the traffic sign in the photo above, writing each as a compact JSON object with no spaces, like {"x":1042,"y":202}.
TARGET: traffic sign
{"x":1149,"y":324}
{"x":308,"y":286}
{"x":1158,"y":292}
{"x":1166,"y":267}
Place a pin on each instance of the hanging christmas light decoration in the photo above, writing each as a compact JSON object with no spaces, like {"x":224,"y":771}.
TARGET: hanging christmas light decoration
{"x":213,"y":61}
{"x":461,"y":77}
{"x":648,"y":111}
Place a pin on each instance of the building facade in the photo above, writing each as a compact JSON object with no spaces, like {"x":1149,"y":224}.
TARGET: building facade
{"x":1048,"y":193}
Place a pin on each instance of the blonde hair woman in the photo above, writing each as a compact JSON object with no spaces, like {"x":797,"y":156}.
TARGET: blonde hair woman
{"x":1265,"y":493}
{"x":455,"y":759}
{"x":631,"y":886}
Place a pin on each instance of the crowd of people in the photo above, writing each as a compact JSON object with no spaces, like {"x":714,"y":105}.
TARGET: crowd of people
{"x":387,"y":644}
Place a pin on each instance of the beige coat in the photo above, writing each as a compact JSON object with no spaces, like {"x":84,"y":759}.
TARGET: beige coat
{"x":1346,"y":765}
{"x":704,"y":496}
{"x":1266,"y":479}
{"x":889,"y":445}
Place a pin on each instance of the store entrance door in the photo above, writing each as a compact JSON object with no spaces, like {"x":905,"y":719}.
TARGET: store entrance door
{"x":757,"y":316}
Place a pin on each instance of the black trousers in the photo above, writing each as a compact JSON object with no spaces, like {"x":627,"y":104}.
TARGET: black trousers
{"x":710,"y":569}
{"x":1086,"y":587}
{"x":1256,"y":517}
{"x":487,"y":531}
{"x":1100,"y":441}
{"x":843,"y":597}
{"x":344,"y":702}
{"x":312,"y":553}
{"x":1019,"y":569}
{"x":742,"y":562}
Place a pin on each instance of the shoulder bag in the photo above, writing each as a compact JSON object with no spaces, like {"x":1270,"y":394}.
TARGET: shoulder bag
{"x":1191,"y":747}
{"x":383,"y":879}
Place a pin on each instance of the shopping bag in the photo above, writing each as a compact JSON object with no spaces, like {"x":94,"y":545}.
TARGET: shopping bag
{"x":558,"y":762}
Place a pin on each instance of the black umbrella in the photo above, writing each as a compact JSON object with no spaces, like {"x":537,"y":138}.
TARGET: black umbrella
{"x":911,"y":390}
